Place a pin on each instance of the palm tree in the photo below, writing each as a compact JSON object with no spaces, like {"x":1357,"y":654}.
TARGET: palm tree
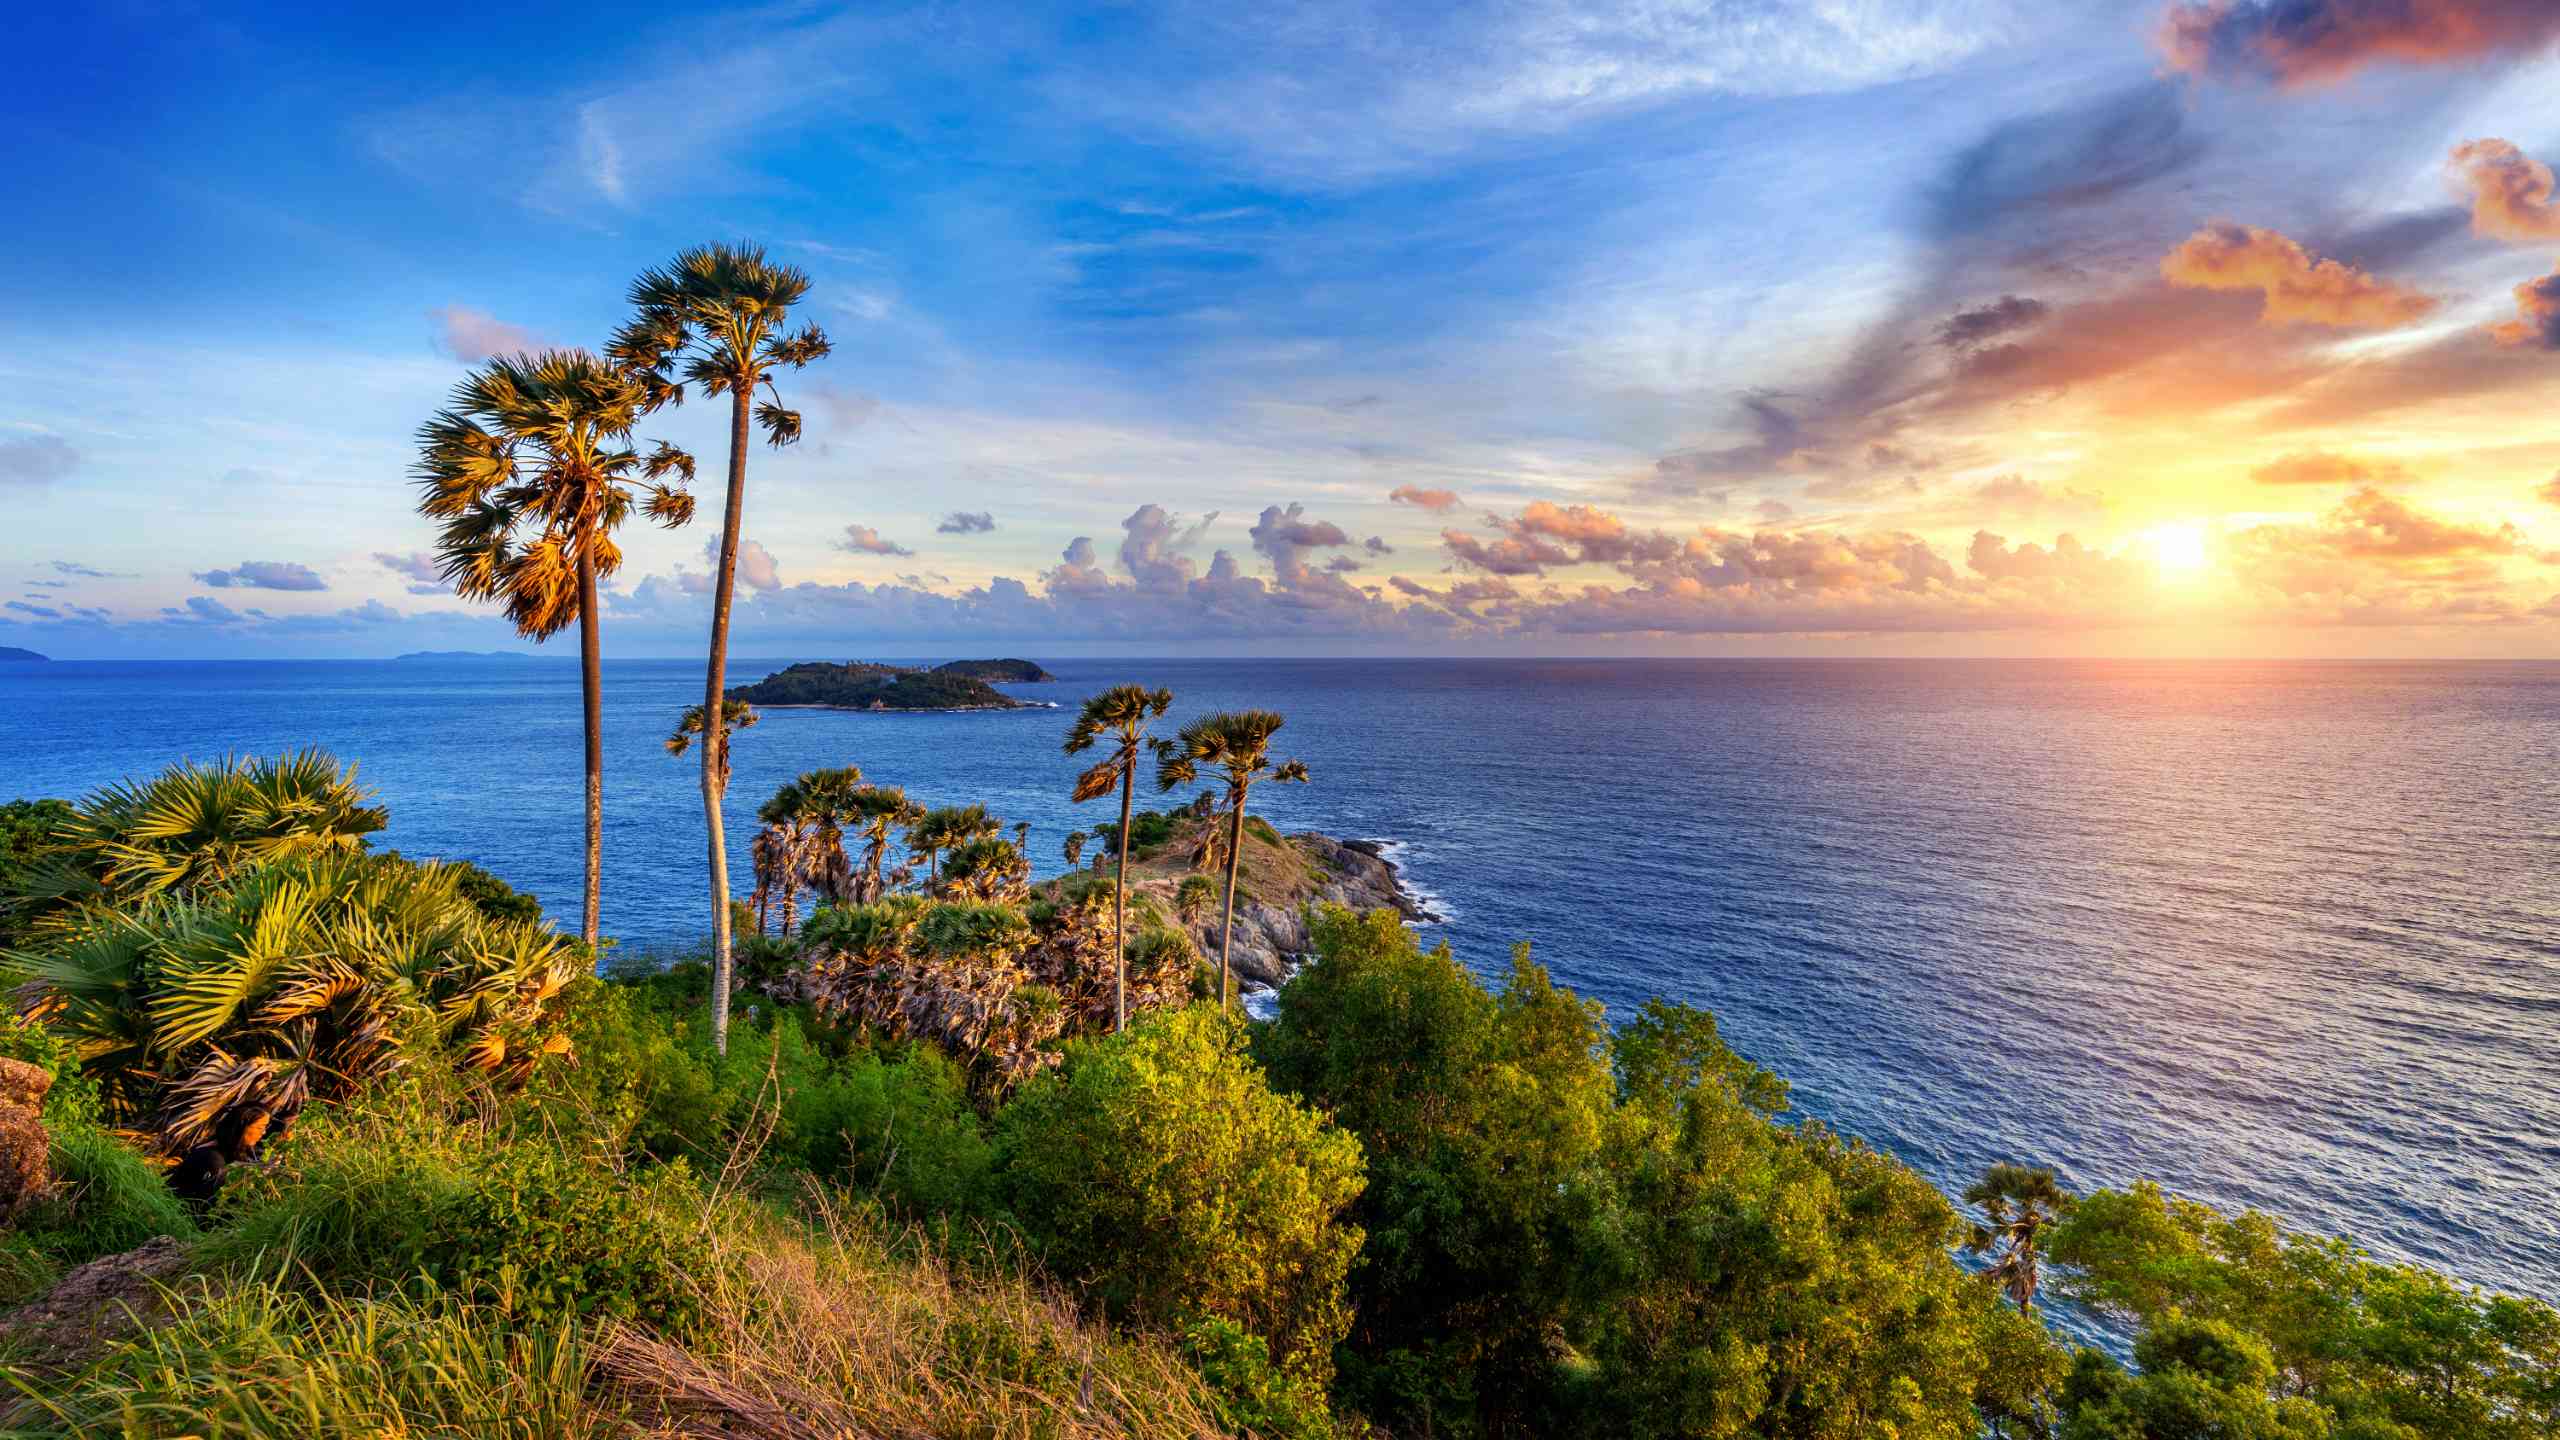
{"x":722,"y":312}
{"x":781,"y":853}
{"x":946,"y":828}
{"x":1191,"y":898}
{"x":531,"y":469}
{"x":1238,"y":742}
{"x":2019,"y":1202}
{"x":1073,"y":848}
{"x":830,"y":803}
{"x":1119,"y":714}
{"x":880,"y":809}
{"x":735,"y":715}
{"x":190,"y":830}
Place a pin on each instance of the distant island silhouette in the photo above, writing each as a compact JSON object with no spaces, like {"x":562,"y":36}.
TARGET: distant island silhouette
{"x":862,"y":685}
{"x":466,"y":655}
{"x":11,"y":652}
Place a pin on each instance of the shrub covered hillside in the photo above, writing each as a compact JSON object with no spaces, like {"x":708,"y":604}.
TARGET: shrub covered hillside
{"x":436,"y":1182}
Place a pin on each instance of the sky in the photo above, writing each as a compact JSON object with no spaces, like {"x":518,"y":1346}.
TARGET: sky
{"x":1715,"y":327}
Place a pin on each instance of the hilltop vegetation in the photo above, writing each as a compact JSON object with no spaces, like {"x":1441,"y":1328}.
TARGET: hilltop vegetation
{"x":934,"y":1186}
{"x":857,"y":685}
{"x":996,"y":672}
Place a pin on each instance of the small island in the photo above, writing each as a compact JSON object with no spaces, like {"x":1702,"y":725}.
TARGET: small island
{"x":996,"y":672}
{"x":861,"y":685}
{"x":466,"y":655}
{"x":9,"y":653}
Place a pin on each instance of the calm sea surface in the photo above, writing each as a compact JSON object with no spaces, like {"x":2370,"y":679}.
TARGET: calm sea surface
{"x":2282,"y":934}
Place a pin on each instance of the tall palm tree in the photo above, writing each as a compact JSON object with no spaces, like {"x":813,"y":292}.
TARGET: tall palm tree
{"x":947,"y":828}
{"x":1120,"y":715}
{"x":2019,"y":1203}
{"x":781,"y":853}
{"x":531,"y":468}
{"x":735,"y":715}
{"x":880,"y":809}
{"x":1239,"y":743}
{"x":830,"y":803}
{"x":721,"y":314}
{"x":1073,"y":847}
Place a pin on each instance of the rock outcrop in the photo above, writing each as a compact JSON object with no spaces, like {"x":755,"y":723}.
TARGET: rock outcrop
{"x":94,"y":1306}
{"x":25,"y":1172}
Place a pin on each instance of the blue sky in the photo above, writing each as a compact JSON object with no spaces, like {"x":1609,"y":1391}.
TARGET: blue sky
{"x":1850,"y":327}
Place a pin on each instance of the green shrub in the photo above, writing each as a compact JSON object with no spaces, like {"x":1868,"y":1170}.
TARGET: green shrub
{"x":545,"y":1236}
{"x":1159,"y":1170}
{"x":400,"y":1195}
{"x":25,"y":826}
{"x":106,"y":1199}
{"x":1252,"y":1396}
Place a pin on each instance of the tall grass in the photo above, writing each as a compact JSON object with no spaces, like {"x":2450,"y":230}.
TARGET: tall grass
{"x":250,"y":1359}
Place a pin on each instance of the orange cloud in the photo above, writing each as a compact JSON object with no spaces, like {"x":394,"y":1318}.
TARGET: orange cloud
{"x":2539,"y":304}
{"x":2313,"y":42}
{"x":2510,"y":191}
{"x":1427,"y":499}
{"x":2297,"y":286}
{"x":2316,"y":467}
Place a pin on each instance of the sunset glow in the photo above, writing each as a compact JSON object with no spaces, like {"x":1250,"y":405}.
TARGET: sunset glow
{"x":1975,"y":326}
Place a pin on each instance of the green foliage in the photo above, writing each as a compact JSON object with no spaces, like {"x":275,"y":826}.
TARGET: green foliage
{"x":1149,"y":832}
{"x":1570,"y":1234}
{"x":1253,"y":1396}
{"x":302,"y":979}
{"x":545,"y":1235}
{"x":188,"y":831}
{"x":2375,"y":1345}
{"x":411,"y":1191}
{"x":106,"y":1199}
{"x":894,"y":1123}
{"x":2199,"y":1380}
{"x":25,"y":827}
{"x":1159,"y":1170}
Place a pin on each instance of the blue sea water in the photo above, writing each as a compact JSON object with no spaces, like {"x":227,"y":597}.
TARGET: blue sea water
{"x":2285,"y":934}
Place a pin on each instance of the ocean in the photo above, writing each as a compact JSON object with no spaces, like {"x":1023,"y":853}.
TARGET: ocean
{"x":2282,"y":934}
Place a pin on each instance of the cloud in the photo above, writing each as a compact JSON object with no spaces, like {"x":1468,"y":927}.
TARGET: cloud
{"x":2314,"y":42}
{"x":472,"y":336}
{"x":2538,"y":324}
{"x":41,"y":612}
{"x":863,"y":540}
{"x":68,"y":567}
{"x":1152,"y":543}
{"x":418,"y":567}
{"x":1433,"y":500}
{"x":844,"y":409}
{"x":2031,"y":499}
{"x":205,"y":607}
{"x":1284,"y":537}
{"x":1967,"y":328}
{"x":2319,"y":467}
{"x":1377,"y":545}
{"x":264,"y":575}
{"x":2297,"y":286}
{"x":2549,"y":491}
{"x":2510,"y":191}
{"x":963,"y":522}
{"x":755,"y":563}
{"x":36,"y":460}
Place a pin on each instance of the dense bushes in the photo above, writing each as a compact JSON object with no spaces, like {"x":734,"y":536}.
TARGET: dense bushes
{"x":1162,"y":1172}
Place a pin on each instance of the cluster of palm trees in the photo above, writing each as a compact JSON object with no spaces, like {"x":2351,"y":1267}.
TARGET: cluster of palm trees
{"x":813,"y":824}
{"x":535,"y":463}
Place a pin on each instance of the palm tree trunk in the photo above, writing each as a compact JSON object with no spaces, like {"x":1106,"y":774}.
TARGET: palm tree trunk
{"x":591,"y":682}
{"x":1120,"y":905}
{"x":1227,"y":939}
{"x":714,"y":689}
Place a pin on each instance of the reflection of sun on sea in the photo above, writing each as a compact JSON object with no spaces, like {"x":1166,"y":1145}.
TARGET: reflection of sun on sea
{"x":2180,"y":551}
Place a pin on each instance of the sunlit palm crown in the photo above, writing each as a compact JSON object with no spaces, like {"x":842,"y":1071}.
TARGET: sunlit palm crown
{"x":1237,"y":742}
{"x":1122,"y":713}
{"x":718,"y":316}
{"x":533,"y":462}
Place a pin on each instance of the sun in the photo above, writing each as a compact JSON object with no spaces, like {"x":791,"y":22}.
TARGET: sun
{"x":2180,"y":550}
